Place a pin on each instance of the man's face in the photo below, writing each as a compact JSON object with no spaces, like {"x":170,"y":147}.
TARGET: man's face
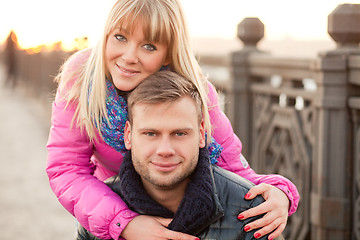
{"x":165,"y":139}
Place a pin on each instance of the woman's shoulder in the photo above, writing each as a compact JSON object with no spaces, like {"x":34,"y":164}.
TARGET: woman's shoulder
{"x":212,"y":95}
{"x":72,"y":68}
{"x":76,"y":60}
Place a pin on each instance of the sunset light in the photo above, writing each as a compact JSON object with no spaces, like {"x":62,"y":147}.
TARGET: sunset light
{"x":46,"y":22}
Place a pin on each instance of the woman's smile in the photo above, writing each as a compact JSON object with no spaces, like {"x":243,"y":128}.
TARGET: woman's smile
{"x":127,"y":72}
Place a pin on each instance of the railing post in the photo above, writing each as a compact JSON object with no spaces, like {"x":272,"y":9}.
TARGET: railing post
{"x":333,"y":160}
{"x":250,"y":32}
{"x":355,"y":105}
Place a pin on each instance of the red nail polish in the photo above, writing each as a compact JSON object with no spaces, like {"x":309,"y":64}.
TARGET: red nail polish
{"x":246,"y":228}
{"x":240,"y":217}
{"x":247,"y":195}
{"x":257,"y":235}
{"x":271,"y":238}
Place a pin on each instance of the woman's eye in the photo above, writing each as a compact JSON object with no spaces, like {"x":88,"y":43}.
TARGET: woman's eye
{"x":120,"y":37}
{"x":150,"y":47}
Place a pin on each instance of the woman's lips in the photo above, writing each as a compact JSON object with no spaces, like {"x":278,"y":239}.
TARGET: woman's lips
{"x":127,"y":72}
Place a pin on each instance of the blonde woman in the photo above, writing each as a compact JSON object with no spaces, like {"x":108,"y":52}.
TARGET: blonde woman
{"x":86,"y":141}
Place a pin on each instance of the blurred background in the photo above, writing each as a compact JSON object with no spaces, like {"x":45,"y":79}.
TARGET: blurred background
{"x":42,"y":33}
{"x":212,"y":24}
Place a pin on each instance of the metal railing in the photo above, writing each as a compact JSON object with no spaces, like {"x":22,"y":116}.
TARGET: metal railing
{"x":301,"y":118}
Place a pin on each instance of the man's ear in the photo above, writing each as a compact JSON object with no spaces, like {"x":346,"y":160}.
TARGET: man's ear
{"x":127,"y":135}
{"x":202,"y":141}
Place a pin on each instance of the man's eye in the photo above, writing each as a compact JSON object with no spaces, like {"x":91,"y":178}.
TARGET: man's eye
{"x":120,"y":37}
{"x":150,"y":47}
{"x":180,"y":134}
{"x":150,"y":134}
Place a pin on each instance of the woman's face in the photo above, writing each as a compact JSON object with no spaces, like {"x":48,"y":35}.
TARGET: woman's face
{"x":130,"y":58}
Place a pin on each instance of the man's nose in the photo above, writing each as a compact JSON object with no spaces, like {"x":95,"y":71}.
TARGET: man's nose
{"x":165,"y":147}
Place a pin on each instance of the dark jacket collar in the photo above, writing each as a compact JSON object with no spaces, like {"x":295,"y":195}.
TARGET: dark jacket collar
{"x":199,"y":208}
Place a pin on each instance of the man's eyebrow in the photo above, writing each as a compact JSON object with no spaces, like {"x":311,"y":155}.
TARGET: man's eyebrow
{"x":158,"y":130}
{"x":183,"y":129}
{"x":146,"y":129}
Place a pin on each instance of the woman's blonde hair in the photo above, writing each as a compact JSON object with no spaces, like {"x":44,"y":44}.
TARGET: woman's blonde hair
{"x":163,"y":21}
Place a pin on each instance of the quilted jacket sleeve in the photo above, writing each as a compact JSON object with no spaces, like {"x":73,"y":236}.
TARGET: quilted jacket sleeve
{"x":69,"y":169}
{"x":232,"y":159}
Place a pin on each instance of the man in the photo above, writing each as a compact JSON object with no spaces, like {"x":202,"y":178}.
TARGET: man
{"x":167,"y":172}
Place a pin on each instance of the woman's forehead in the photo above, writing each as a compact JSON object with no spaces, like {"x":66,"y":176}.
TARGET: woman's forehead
{"x":154,"y":29}
{"x":151,"y":32}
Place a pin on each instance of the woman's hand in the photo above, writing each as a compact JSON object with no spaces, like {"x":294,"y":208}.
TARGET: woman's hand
{"x":276,"y":207}
{"x":152,"y":228}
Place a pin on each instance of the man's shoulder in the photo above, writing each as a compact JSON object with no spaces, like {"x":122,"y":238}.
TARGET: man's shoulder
{"x":113,"y":183}
{"x":232,"y":187}
{"x":229,"y":191}
{"x":231,"y":178}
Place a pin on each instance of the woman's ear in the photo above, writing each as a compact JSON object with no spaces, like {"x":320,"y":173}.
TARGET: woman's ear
{"x":167,"y":61}
{"x":202,"y":141}
{"x":127,"y":135}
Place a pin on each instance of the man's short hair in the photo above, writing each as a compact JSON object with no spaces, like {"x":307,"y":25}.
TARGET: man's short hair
{"x":163,"y":87}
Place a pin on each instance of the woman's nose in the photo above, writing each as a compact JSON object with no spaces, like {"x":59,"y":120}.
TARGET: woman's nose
{"x":130,"y":54}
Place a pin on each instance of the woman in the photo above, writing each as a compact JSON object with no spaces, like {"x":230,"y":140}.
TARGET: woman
{"x":89,"y":113}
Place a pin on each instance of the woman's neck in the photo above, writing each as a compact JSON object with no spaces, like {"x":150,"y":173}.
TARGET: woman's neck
{"x":122,"y":93}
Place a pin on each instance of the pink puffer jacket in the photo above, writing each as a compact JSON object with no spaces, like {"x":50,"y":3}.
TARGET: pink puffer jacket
{"x":77,"y":168}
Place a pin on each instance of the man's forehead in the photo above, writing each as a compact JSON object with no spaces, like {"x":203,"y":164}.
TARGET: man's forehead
{"x":175,"y":115}
{"x":187,"y":100}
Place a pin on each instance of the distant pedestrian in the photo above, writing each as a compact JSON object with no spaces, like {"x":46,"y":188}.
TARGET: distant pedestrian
{"x":10,"y":59}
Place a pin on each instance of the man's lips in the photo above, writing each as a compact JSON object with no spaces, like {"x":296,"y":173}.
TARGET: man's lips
{"x":165,"y":167}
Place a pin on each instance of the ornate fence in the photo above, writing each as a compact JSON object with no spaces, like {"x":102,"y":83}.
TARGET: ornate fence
{"x":301,"y":118}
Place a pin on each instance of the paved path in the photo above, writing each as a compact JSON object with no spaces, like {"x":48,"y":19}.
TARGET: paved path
{"x":28,"y":208}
